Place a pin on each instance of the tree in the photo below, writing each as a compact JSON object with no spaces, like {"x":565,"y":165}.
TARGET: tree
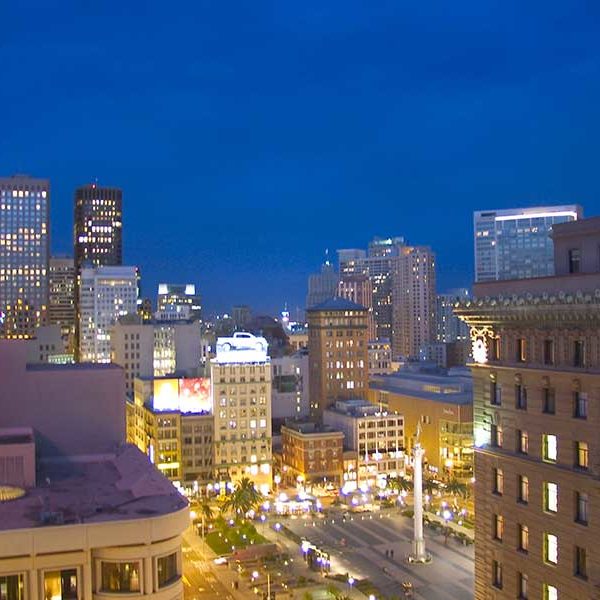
{"x":456,"y":488}
{"x":430,"y":486}
{"x":243,"y":499}
{"x":400,"y":484}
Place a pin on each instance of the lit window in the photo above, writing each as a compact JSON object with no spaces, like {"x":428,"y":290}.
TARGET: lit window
{"x":550,"y":447}
{"x":522,"y":586}
{"x":523,"y":538}
{"x":550,"y":592}
{"x":550,"y":548}
{"x":581,"y":455}
{"x":523,"y":489}
{"x":550,"y":497}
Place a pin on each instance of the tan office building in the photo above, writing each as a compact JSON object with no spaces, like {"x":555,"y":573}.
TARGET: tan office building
{"x":338,"y":338}
{"x":536,"y":346}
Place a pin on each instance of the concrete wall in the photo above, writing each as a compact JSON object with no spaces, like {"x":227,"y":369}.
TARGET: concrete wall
{"x":73,"y":409}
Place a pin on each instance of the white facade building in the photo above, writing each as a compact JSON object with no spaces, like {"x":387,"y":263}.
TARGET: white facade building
{"x":377,"y":438}
{"x":241,"y":393}
{"x":105,"y":295}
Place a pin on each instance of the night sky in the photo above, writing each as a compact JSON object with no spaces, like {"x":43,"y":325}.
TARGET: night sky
{"x":250,"y":136}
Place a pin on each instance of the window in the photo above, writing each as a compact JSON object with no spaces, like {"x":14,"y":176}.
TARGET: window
{"x":548,"y":352}
{"x":550,"y":497}
{"x":550,"y":548}
{"x":522,"y":586}
{"x":522,"y":442}
{"x":60,"y":585}
{"x":574,"y":260}
{"x":523,"y":538}
{"x":520,"y":397}
{"x":497,"y":574}
{"x":122,"y":577}
{"x":495,"y":394}
{"x":548,"y":400}
{"x":12,"y":587}
{"x":498,"y":527}
{"x":495,"y":348}
{"x":581,"y":508}
{"x":498,"y":475}
{"x":521,"y":350}
{"x":550,"y":448}
{"x":497,"y":436}
{"x":580,"y":405}
{"x":581,"y":455}
{"x":167,"y":569}
{"x":550,"y":592}
{"x":580,"y":560}
{"x":523,"y":489}
{"x":578,"y":353}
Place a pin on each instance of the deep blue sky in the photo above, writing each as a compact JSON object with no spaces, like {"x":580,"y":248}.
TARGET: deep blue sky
{"x":250,"y":136}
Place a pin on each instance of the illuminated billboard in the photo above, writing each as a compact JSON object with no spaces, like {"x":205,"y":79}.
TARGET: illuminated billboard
{"x":184,"y":395}
{"x":242,"y":347}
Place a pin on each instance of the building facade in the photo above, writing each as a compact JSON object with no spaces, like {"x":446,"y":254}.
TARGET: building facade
{"x":380,"y":357}
{"x":375,"y":437}
{"x":178,"y":302}
{"x":290,"y":387}
{"x":312,"y":454}
{"x":105,"y":295}
{"x":358,"y":288}
{"x":516,"y":243}
{"x":98,"y":226}
{"x":443,"y":404}
{"x":414,"y":299}
{"x":323,"y":285}
{"x":241,"y":392}
{"x":61,"y":297}
{"x":338,"y":352}
{"x":536,"y":378}
{"x":448,"y":327}
{"x":24,"y":254}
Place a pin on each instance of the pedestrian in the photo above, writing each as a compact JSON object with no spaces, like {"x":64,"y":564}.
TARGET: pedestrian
{"x":392,"y":554}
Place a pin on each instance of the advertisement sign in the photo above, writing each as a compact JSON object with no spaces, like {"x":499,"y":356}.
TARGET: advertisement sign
{"x":185,"y":395}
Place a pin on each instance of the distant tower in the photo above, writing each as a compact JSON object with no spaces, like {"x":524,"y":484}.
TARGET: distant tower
{"x":98,"y":227}
{"x":323,"y":285}
{"x":24,"y":254}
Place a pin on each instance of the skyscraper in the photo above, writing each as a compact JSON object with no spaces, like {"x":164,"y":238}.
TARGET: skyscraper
{"x":105,"y":295}
{"x":98,"y":226}
{"x":536,"y":421}
{"x":24,"y":254}
{"x":338,"y":352}
{"x":61,"y":297}
{"x":378,"y":263}
{"x":448,"y":327}
{"x":178,"y":301}
{"x":323,"y":285}
{"x":413,"y":293}
{"x":358,"y":288}
{"x":516,"y":243}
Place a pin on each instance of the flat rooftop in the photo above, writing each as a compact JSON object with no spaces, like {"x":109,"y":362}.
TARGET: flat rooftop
{"x":60,"y":368}
{"x":449,"y":389}
{"x":100,"y":489}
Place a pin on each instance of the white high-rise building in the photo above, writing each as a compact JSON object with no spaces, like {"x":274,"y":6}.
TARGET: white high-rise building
{"x":241,"y":393}
{"x":24,"y":254}
{"x":515,"y":243}
{"x":105,"y":295}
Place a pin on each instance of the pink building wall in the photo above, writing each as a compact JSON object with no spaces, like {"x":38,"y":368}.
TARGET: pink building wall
{"x":74,"y":409}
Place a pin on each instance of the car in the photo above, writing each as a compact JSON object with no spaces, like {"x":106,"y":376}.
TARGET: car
{"x":242,"y":340}
{"x":221,"y":560}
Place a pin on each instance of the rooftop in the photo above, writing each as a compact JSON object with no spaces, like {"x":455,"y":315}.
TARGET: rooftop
{"x":336,"y":303}
{"x":124,"y":486}
{"x":309,"y":427}
{"x":446,"y":388}
{"x":61,"y":368}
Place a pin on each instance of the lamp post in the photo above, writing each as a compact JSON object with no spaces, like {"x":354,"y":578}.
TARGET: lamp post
{"x":351,"y":582}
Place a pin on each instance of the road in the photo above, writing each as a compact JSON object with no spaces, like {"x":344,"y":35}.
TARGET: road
{"x":358,"y":546}
{"x":199,"y":581}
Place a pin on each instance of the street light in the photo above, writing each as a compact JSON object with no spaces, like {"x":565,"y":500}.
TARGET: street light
{"x":256,"y":575}
{"x":350,"y":582}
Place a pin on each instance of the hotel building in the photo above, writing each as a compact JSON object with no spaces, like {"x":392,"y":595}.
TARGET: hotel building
{"x":241,"y":394}
{"x":536,"y":379}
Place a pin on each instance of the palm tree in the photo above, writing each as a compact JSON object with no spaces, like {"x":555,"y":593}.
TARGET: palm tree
{"x":243,"y":499}
{"x":429,"y":486}
{"x":400,"y":484}
{"x":457,"y":488}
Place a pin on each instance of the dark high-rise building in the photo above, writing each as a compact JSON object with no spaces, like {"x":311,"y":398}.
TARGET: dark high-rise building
{"x":98,"y":226}
{"x":24,"y":254}
{"x":61,"y":297}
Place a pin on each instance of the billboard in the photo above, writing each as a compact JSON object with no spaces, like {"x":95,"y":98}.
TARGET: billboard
{"x":184,"y":395}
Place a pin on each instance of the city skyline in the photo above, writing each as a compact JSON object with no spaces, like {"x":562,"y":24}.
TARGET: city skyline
{"x":258,"y":138}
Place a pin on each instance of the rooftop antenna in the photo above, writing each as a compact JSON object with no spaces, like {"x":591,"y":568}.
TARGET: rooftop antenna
{"x":327,"y":256}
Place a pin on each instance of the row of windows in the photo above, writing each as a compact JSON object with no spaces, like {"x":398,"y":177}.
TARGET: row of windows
{"x":550,"y":495}
{"x":522,"y":354}
{"x":579,"y":400}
